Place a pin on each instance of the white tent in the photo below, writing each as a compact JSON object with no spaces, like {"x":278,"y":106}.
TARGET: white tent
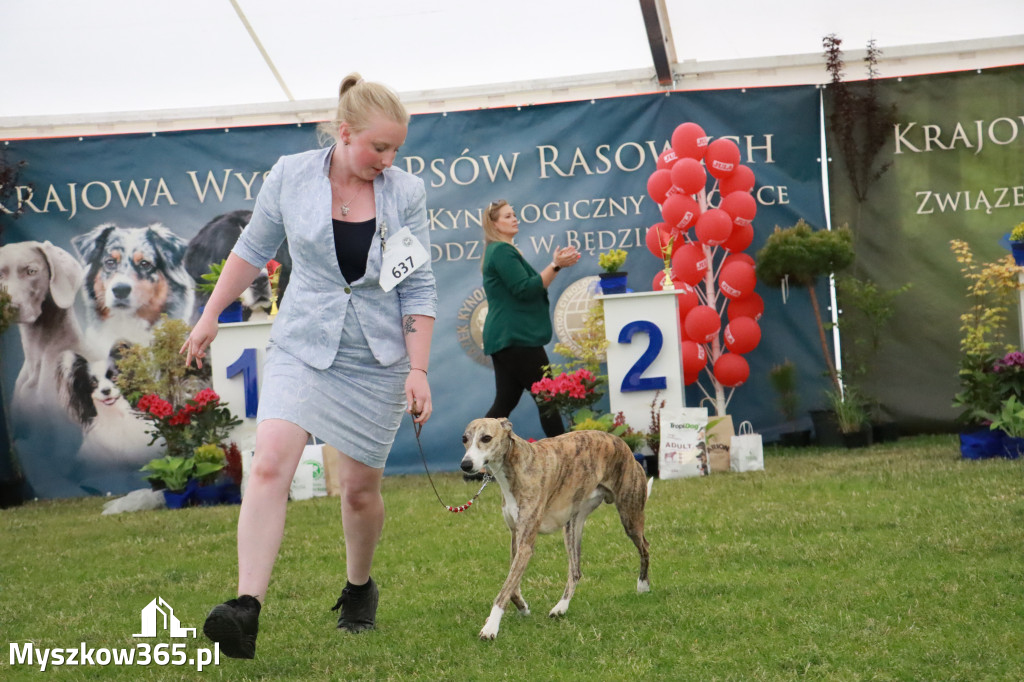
{"x":131,"y":65}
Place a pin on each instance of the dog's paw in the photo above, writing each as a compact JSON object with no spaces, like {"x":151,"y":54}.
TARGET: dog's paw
{"x":643,"y":586}
{"x":560,"y":608}
{"x":488,"y":631}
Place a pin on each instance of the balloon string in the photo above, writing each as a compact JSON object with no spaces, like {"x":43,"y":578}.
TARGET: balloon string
{"x":785,"y":288}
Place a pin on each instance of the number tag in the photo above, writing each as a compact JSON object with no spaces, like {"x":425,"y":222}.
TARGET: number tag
{"x":403,"y":254}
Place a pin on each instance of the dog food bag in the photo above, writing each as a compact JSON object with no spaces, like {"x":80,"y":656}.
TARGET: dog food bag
{"x":683,"y":451}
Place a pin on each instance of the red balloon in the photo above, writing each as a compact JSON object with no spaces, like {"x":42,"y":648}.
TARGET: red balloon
{"x":667,"y":159}
{"x":742,"y":335}
{"x":689,"y":175}
{"x":694,"y":357}
{"x":659,"y":282}
{"x":702,"y":324}
{"x":713,"y":227}
{"x":741,"y":180}
{"x":687,"y":299}
{"x":722,"y":157}
{"x":689,"y":264}
{"x":740,"y":239}
{"x":690,"y":378}
{"x":689,"y":140}
{"x":751,"y":306}
{"x":680,"y":211}
{"x":731,"y":369}
{"x":738,"y":258}
{"x":737,"y":280}
{"x":658,"y":184}
{"x":740,"y":205}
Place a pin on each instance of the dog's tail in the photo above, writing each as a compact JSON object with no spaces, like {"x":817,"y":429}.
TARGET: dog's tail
{"x":650,"y":484}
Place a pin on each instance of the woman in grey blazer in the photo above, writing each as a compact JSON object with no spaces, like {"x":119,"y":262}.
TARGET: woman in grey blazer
{"x":349,"y":349}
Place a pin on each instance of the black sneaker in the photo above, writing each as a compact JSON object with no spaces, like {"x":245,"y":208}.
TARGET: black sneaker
{"x":234,"y":625}
{"x":358,"y":604}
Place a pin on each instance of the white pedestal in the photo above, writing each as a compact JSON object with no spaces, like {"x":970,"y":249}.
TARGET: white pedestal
{"x":236,"y":357}
{"x":644,"y":355}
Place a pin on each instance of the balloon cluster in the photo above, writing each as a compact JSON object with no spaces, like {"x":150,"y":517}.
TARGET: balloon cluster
{"x":702,"y":248}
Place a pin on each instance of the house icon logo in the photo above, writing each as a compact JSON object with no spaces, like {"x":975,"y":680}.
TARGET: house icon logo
{"x":157,"y":611}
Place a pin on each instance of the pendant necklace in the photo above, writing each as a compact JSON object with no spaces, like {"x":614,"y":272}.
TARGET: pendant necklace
{"x":345,"y":204}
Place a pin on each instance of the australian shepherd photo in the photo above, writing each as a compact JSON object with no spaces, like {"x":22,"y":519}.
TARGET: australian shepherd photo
{"x":133,"y":276}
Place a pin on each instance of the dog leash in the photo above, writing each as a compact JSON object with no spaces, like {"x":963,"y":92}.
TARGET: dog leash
{"x":455,"y":510}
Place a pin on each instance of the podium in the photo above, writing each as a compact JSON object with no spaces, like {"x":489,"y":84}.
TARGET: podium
{"x":644,"y":355}
{"x":236,"y":361}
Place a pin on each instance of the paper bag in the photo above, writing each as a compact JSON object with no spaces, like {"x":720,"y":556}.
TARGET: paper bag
{"x":332,"y":470}
{"x":747,"y":451}
{"x":719,"y":437}
{"x":309,"y":480}
{"x":683,"y":449}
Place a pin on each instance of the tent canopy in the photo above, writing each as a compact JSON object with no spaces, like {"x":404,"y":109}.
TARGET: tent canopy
{"x":73,"y":58}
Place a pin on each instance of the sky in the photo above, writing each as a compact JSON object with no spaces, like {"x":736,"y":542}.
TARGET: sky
{"x":66,"y":57}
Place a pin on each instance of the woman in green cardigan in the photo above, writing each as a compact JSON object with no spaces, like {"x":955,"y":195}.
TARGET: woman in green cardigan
{"x":518,"y":321}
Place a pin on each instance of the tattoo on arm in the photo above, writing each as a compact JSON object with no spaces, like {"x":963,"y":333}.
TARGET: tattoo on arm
{"x":408,"y":324}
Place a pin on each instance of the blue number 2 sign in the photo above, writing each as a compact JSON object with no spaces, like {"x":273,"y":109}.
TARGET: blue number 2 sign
{"x":634,"y":381}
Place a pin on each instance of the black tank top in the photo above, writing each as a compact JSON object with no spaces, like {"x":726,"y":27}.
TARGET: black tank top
{"x":352,"y":246}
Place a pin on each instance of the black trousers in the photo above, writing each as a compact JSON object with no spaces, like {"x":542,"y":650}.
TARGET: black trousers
{"x":516,"y":370}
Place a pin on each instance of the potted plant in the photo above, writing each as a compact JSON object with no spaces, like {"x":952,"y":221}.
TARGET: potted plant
{"x":851,"y":418}
{"x":991,"y":291}
{"x":567,"y":392}
{"x":783,"y":379}
{"x":1009,"y":420}
{"x":174,"y":475}
{"x":209,"y":460}
{"x":1017,"y":243}
{"x":233,"y":313}
{"x":613,"y":280}
{"x":800,"y":256}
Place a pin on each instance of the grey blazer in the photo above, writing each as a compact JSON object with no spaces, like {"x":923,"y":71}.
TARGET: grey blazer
{"x":295,"y":202}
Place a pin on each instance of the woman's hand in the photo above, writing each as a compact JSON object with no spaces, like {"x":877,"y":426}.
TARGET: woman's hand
{"x":199,"y":339}
{"x":567,"y":257}
{"x":417,"y":396}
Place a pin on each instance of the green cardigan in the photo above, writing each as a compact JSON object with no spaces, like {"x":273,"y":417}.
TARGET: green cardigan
{"x":518,"y":310}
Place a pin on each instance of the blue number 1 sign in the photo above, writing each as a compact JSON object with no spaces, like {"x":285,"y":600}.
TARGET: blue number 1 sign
{"x":246,"y":364}
{"x":634,"y":379}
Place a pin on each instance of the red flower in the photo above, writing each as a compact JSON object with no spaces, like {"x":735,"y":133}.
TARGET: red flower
{"x":207,"y":395}
{"x":155,"y":405}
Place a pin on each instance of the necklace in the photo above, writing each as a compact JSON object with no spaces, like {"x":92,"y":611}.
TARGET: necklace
{"x":345,"y":204}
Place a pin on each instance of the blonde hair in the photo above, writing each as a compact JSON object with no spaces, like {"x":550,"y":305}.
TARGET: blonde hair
{"x":491,"y":233}
{"x":359,"y":102}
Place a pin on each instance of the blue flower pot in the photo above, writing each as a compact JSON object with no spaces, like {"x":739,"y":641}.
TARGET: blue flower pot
{"x":1017,"y":249}
{"x":233,"y":313}
{"x":613,"y":282}
{"x":981,"y":444}
{"x":181,"y":498}
{"x":207,"y":495}
{"x":230,"y":493}
{"x":1012,"y":447}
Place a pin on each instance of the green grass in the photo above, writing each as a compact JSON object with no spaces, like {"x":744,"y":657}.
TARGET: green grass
{"x":898,"y":562}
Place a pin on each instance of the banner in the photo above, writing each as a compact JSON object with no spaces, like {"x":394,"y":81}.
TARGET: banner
{"x":576,"y":173}
{"x":954,"y":169}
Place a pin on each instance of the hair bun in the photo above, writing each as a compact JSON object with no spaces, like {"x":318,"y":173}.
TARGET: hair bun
{"x":348,"y":82}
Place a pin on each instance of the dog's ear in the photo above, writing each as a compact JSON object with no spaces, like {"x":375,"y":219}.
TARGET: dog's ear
{"x":505,"y":424}
{"x":171,"y":249}
{"x":87,"y":245}
{"x":65,"y":274}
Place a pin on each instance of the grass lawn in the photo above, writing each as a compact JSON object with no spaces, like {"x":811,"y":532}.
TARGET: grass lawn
{"x":897,"y":562}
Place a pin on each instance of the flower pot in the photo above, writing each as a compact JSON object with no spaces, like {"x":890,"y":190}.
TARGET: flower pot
{"x":651,"y":465}
{"x":885,"y":432}
{"x":1017,"y":249}
{"x":207,"y":495}
{"x":858,"y":439}
{"x":826,"y":429}
{"x":230,"y":493}
{"x":795,"y":439}
{"x":613,"y":282}
{"x":233,"y":313}
{"x":981,"y":443}
{"x":179,"y":499}
{"x":1012,"y":447}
